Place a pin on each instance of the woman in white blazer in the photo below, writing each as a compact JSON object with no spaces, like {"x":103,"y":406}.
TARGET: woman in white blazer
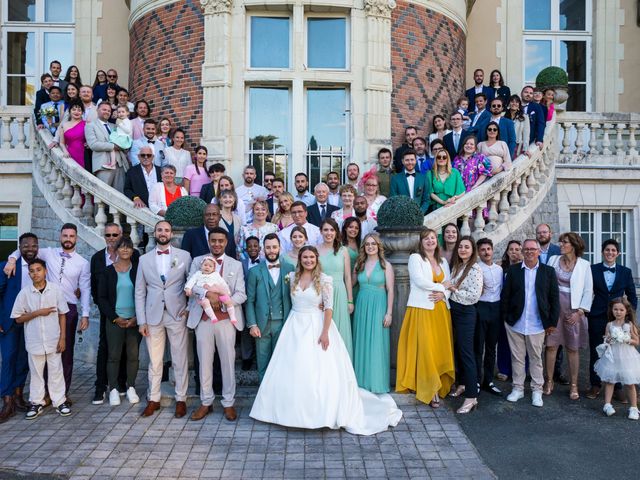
{"x":425,"y":346}
{"x":576,"y":294}
{"x":165,"y":192}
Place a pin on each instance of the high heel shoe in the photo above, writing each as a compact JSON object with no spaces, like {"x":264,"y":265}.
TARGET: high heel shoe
{"x":573,"y":392}
{"x":435,"y":402}
{"x":548,"y":387}
{"x":459,"y":391}
{"x":468,"y":407}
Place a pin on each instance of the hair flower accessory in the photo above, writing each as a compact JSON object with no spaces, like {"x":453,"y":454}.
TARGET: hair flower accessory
{"x":372,"y":172}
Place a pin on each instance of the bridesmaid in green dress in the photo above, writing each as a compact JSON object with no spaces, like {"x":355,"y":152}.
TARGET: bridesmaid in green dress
{"x":372,"y":316}
{"x":351,"y":240}
{"x":298,"y":240}
{"x":335,"y":262}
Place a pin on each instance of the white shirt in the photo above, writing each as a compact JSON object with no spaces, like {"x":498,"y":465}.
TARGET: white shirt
{"x":367,"y":226}
{"x":251,"y":264}
{"x":334,"y":199}
{"x":150,"y":178}
{"x":107,"y":257}
{"x":411,"y":180}
{"x":25,"y":278}
{"x":163,"y":261}
{"x":313,"y":235}
{"x":306,"y":197}
{"x":249,"y":195}
{"x":274,"y":272}
{"x":609,"y":277}
{"x":529,"y":323}
{"x":41,"y":334}
{"x":492,"y":278}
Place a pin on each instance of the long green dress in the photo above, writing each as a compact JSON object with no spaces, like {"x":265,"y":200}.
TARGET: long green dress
{"x":333,"y":265}
{"x":353,"y":255}
{"x":370,"y":338}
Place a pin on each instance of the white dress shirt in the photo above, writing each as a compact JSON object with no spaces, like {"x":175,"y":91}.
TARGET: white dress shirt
{"x":313,"y":235}
{"x":492,"y":277}
{"x":163,"y":261}
{"x":274,"y":272}
{"x":529,"y":323}
{"x":609,"y":277}
{"x":150,"y":178}
{"x":411,"y":180}
{"x":25,"y":278}
{"x":334,"y":199}
{"x":249,"y":195}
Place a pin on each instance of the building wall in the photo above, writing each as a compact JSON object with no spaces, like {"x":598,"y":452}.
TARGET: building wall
{"x":15,"y":185}
{"x":482,"y":40}
{"x":114,"y":35}
{"x":427,"y":63}
{"x":165,"y":68}
{"x":629,"y":100}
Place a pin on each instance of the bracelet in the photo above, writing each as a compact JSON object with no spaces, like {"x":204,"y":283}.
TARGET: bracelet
{"x":350,"y":303}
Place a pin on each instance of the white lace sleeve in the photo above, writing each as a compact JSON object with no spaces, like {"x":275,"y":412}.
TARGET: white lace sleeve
{"x":326,"y":289}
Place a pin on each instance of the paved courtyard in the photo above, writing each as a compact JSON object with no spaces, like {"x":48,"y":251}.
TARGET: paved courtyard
{"x":101,"y":442}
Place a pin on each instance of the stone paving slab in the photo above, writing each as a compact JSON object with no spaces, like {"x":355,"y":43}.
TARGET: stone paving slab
{"x":103,"y":442}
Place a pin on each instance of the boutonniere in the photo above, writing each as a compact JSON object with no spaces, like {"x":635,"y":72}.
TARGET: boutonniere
{"x":174,"y":263}
{"x":287,"y":279}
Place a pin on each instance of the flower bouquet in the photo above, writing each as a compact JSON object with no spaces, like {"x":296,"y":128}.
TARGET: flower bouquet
{"x":49,"y":112}
{"x":619,"y":336}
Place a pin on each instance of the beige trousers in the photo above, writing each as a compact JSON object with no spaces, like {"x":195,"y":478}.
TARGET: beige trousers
{"x":520,"y":346}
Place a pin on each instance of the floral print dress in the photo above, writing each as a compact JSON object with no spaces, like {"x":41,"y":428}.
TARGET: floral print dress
{"x":472,"y":168}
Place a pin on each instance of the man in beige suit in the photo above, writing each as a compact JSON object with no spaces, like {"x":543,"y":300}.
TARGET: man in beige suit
{"x":220,"y":335}
{"x":160,"y":300}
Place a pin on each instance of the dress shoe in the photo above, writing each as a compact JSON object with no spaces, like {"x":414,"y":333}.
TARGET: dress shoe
{"x":8,"y":409}
{"x":230,"y":413}
{"x":619,"y":396}
{"x":18,"y":400}
{"x":246,"y":364}
{"x":593,"y":392}
{"x":468,"y":406}
{"x":492,"y":389}
{"x":150,"y":408}
{"x":201,"y":412}
{"x":181,"y":409}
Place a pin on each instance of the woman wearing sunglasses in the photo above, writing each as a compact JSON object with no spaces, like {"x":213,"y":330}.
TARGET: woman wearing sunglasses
{"x":495,"y":149}
{"x":446,"y":182}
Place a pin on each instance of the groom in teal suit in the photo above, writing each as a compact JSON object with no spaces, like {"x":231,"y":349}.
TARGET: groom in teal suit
{"x":411,"y":183}
{"x":268,"y":301}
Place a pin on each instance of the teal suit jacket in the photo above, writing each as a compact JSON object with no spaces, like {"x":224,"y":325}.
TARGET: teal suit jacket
{"x":421,"y":189}
{"x":258,"y":295}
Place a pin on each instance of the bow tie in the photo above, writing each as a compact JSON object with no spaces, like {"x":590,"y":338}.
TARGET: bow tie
{"x":219,"y":261}
{"x":162,"y":252}
{"x":609,"y":269}
{"x":151,"y":141}
{"x":410,"y":174}
{"x":274,"y":265}
{"x":256,"y":261}
{"x":65,"y":255}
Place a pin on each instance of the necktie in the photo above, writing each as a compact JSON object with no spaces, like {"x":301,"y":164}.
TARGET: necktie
{"x":162,"y":252}
{"x":410,"y":174}
{"x":108,"y":129}
{"x":323,"y":211}
{"x":219,"y":261}
{"x":610,"y":269}
{"x":456,"y":139}
{"x":274,"y":265}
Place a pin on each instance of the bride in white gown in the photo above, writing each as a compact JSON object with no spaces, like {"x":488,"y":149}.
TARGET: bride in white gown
{"x":310,"y":382}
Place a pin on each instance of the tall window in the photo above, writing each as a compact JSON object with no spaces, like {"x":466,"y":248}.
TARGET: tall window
{"x":596,"y":226}
{"x":35,"y":32}
{"x":558,"y":32}
{"x":8,"y":233}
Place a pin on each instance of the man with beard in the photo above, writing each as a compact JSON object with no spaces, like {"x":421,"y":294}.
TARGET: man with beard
{"x":160,"y":303}
{"x":250,"y":191}
{"x":367,"y":222}
{"x":12,"y":348}
{"x":353,"y":174}
{"x":547,"y":249}
{"x":277,"y":189}
{"x":302,"y":190}
{"x":333,"y":182}
{"x":268,"y":301}
{"x":221,"y":335}
{"x":70,"y":271}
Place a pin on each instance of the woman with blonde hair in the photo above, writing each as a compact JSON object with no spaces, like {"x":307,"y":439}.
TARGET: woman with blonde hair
{"x":445,"y":181}
{"x":282,"y":218}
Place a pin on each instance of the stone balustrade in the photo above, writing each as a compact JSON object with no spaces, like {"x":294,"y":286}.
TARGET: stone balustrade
{"x":599,"y":138}
{"x":511,"y":197}
{"x":79,"y":197}
{"x":15,"y":133}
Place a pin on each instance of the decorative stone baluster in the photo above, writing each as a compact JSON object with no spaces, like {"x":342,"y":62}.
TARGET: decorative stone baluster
{"x":87,"y":209}
{"x":59,"y":185}
{"x":101,"y":218}
{"x":6,"y":132}
{"x":531,"y":184}
{"x":464,"y":228}
{"x":606,"y":143}
{"x":523,"y":190}
{"x":76,"y":201}
{"x":52,"y":178}
{"x":116,"y":218}
{"x":479,"y":223}
{"x":566,"y":141}
{"x":632,"y":143}
{"x":67,"y":193}
{"x":515,"y":197}
{"x":20,"y":136}
{"x":593,"y":139}
{"x":134,"y":231}
{"x":504,"y":206}
{"x":581,"y":129}
{"x":493,"y":213}
{"x":620,"y":150}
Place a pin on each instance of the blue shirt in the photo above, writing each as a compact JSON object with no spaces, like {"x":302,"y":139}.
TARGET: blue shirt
{"x":609,"y":277}
{"x":125,"y":305}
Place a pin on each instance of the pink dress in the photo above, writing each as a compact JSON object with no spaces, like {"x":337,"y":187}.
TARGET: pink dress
{"x":74,"y":141}
{"x":196,"y":181}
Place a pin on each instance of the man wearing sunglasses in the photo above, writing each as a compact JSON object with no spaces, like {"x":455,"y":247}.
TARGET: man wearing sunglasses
{"x":139,"y":180}
{"x":505,"y":125}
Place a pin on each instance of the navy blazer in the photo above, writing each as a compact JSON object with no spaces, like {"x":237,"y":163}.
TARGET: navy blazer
{"x":135,"y":184}
{"x":450,"y":147}
{"x":398,"y":166}
{"x":270,"y":205}
{"x":508,"y":134}
{"x":313,"y":213}
{"x":9,"y":289}
{"x":421,"y":189}
{"x":537,"y":120}
{"x":479,"y":130}
{"x":207,"y":193}
{"x":471,"y":95}
{"x":553,"y":250}
{"x":195,"y":242}
{"x":622,"y":285}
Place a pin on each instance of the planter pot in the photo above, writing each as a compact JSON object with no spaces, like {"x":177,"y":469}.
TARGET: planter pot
{"x":562,"y":95}
{"x":399,"y":243}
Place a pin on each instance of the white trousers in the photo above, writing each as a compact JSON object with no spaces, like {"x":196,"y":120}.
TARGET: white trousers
{"x":55,"y":377}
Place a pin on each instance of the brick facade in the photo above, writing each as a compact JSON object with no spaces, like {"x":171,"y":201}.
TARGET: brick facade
{"x":167,"y":51}
{"x":428,"y":66}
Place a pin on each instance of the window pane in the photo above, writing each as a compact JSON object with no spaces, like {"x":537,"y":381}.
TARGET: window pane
{"x":577,"y":101}
{"x":58,"y":11}
{"x":326,"y":42}
{"x":537,"y":56}
{"x":573,"y":58}
{"x":572,"y":15}
{"x":21,"y":90}
{"x":58,"y":46}
{"x":22,"y":11}
{"x":537,"y":14}
{"x":21,"y":54}
{"x":8,"y":226}
{"x":269,"y":42}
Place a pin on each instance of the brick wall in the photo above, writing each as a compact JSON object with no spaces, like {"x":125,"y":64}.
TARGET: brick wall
{"x":165,"y":66}
{"x":428,"y":62}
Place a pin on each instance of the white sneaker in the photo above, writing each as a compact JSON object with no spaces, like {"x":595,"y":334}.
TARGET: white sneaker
{"x":114,"y":397}
{"x":634,"y":414}
{"x":132,"y":396}
{"x":609,"y":410}
{"x":536,"y":399}
{"x":515,"y":395}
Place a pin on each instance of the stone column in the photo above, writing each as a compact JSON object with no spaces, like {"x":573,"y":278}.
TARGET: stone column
{"x":377,"y":77}
{"x":216,"y":80}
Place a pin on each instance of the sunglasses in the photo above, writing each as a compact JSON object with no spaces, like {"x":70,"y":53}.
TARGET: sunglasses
{"x":111,"y":235}
{"x":492,"y":129}
{"x":112,"y":76}
{"x":441,"y":157}
{"x":145,"y":155}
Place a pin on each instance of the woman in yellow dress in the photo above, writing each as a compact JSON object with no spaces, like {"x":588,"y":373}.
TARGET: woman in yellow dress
{"x":425,"y":346}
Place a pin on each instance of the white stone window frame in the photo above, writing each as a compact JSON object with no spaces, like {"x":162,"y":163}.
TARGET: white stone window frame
{"x":556,"y":36}
{"x":347,"y":40}
{"x":12,"y":209}
{"x":40,"y":28}
{"x":270,"y":14}
{"x":596,"y":230}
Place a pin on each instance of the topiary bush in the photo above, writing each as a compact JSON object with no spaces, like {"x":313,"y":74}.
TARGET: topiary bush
{"x":399,"y":211}
{"x":552,"y":77}
{"x":186,"y":212}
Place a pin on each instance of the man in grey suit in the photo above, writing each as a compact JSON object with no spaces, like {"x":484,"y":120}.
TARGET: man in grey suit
{"x":97,"y":136}
{"x":160,"y":302}
{"x":220,"y":335}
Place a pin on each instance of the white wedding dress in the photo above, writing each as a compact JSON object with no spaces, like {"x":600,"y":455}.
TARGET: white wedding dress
{"x":307,"y":387}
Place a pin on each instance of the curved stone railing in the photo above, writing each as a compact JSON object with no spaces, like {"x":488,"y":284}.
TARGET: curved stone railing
{"x":510,"y":196}
{"x":79,"y":197}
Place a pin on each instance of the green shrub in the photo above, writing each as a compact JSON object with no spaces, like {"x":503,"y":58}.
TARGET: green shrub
{"x":400,"y":211}
{"x":186,"y":212}
{"x":552,"y":77}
